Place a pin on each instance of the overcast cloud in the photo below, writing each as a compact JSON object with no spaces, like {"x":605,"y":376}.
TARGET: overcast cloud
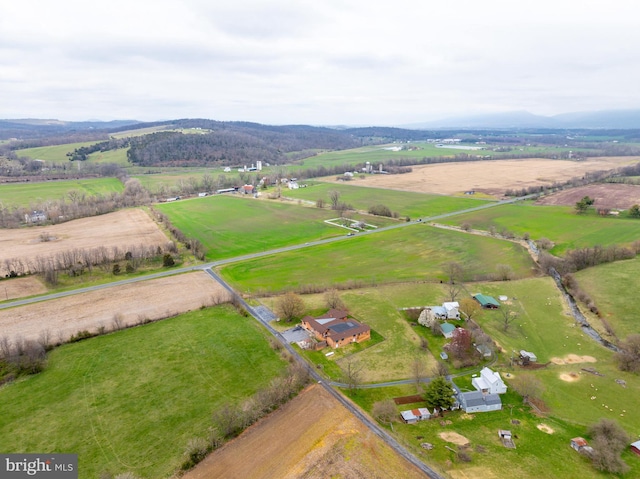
{"x":348,"y":62}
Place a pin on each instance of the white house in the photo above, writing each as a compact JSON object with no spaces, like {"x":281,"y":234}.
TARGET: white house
{"x":489,"y":382}
{"x":451,"y":309}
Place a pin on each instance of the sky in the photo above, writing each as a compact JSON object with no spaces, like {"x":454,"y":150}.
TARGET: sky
{"x":320,"y":62}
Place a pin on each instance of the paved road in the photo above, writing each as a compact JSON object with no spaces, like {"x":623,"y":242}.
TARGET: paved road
{"x":264,"y":316}
{"x":214,"y":264}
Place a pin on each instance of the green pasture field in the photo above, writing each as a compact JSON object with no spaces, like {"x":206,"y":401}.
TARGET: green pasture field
{"x":560,"y":224}
{"x":55,"y":153}
{"x":155,"y":129}
{"x":131,"y":400}
{"x":118,"y":157}
{"x":231,"y":226}
{"x":162,"y":179}
{"x":614,"y":289}
{"x":542,"y":327}
{"x":417,"y":252}
{"x":25,"y":194}
{"x":404,"y":203}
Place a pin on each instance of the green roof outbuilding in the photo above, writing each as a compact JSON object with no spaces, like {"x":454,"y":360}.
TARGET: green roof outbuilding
{"x":486,"y":301}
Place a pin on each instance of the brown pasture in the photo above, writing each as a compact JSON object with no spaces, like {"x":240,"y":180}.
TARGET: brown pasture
{"x":606,"y":195}
{"x":491,"y":178}
{"x":122,"y":229}
{"x":133,"y":303}
{"x":313,"y":436}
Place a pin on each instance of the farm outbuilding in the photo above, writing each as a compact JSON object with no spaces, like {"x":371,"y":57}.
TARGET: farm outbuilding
{"x":635,"y":447}
{"x":476,"y":401}
{"x":412,"y":416}
{"x":447,"y":330}
{"x":487,"y":302}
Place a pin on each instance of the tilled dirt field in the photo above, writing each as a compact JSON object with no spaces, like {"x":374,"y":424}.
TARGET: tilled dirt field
{"x":489,"y":177}
{"x":122,"y":229}
{"x":606,"y":195}
{"x":131,"y":304}
{"x":311,"y":437}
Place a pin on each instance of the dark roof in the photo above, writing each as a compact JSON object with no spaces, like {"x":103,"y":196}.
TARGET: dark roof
{"x":335,"y":325}
{"x":476,"y":398}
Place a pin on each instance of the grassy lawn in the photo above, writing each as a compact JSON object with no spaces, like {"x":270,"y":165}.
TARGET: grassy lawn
{"x":130,"y":401}
{"x":416,"y":252}
{"x":614,"y":289}
{"x":231,"y":226}
{"x":404,"y":203}
{"x":25,"y":194}
{"x":558,"y":223}
{"x":538,"y":454}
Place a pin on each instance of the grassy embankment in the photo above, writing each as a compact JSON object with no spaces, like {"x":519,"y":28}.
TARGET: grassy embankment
{"x":614,"y":288}
{"x":560,"y":224}
{"x":25,"y":194}
{"x":131,"y":400}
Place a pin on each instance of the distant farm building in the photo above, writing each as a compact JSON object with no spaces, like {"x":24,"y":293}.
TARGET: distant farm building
{"x":486,"y":302}
{"x":580,"y":444}
{"x":336,"y":328}
{"x":527,"y":357}
{"x":412,"y":416}
{"x":35,"y":217}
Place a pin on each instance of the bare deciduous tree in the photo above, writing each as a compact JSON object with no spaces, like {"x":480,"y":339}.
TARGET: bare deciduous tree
{"x":290,"y":306}
{"x":333,"y":300}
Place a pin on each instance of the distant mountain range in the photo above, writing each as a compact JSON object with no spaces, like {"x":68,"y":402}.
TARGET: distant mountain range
{"x":606,"y":119}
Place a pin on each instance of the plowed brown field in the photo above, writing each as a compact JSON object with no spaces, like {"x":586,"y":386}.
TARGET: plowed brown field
{"x":311,"y":437}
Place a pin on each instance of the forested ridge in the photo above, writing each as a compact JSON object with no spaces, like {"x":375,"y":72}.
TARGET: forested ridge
{"x":233,"y":143}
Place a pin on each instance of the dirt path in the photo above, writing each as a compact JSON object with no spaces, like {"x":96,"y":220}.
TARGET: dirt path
{"x":312,"y":437}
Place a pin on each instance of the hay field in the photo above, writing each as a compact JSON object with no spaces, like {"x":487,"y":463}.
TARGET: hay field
{"x":131,"y":303}
{"x":121,"y":229}
{"x":488,"y":177}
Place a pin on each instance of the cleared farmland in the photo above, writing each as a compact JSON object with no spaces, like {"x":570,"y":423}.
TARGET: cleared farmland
{"x":122,"y":229}
{"x":130,"y":401}
{"x":492,"y":178}
{"x":416,"y":253}
{"x":129,"y":304}
{"x":404,"y":203}
{"x":560,"y":224}
{"x":26,"y":194}
{"x":232,"y":226}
